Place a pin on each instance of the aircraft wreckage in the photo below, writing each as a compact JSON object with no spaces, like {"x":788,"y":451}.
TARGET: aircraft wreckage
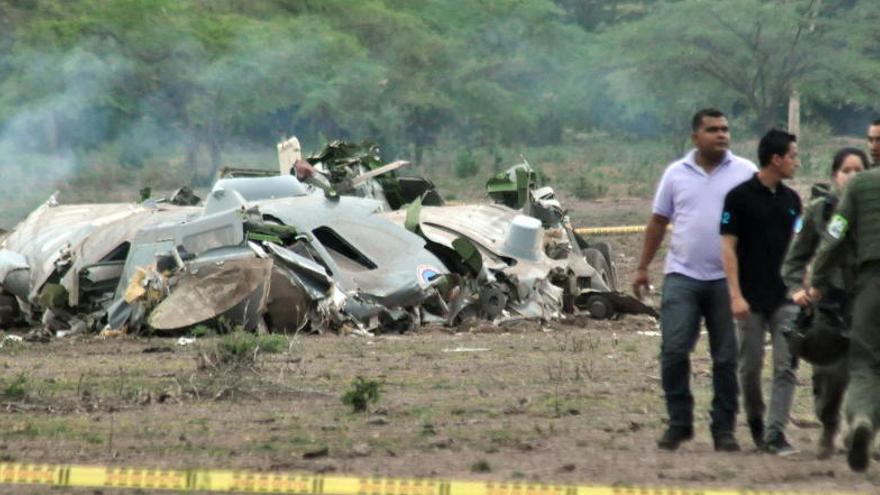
{"x":356,"y":248}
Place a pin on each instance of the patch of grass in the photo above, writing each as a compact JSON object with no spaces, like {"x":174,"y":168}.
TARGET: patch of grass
{"x":16,"y":388}
{"x":26,"y":429}
{"x":201,"y":331}
{"x":11,"y":347}
{"x":727,"y":474}
{"x":589,"y":188}
{"x":273,"y":343}
{"x":481,"y":466}
{"x":93,"y":438}
{"x":361,"y":394}
{"x":240,"y":349}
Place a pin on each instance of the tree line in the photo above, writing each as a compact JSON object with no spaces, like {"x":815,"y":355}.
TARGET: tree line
{"x":139,"y":76}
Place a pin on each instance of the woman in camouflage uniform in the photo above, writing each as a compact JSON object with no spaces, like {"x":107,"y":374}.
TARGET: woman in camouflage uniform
{"x":830,"y":374}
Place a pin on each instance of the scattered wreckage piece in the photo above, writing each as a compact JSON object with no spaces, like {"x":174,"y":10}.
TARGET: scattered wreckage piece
{"x":521,"y":271}
{"x":61,"y":264}
{"x":593,"y":292}
{"x":356,"y":169}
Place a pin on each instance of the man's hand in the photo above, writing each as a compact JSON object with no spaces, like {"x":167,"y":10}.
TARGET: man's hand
{"x":303,"y":169}
{"x":641,"y":283}
{"x":815,"y":294}
{"x":802,"y":298}
{"x":739,"y":307}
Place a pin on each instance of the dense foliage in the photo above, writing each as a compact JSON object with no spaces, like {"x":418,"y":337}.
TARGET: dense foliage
{"x":136,"y":77}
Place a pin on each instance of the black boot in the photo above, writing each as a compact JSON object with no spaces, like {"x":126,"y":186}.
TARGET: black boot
{"x":756,"y":426}
{"x":675,"y":436}
{"x":861,"y":436}
{"x":725,"y":442}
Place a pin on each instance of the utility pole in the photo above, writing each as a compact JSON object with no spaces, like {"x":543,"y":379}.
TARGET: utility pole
{"x":794,"y":113}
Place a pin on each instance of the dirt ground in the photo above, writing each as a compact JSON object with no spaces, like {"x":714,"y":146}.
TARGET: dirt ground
{"x":571,"y":402}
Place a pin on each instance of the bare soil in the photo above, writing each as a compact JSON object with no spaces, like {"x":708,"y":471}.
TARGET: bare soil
{"x":571,"y":402}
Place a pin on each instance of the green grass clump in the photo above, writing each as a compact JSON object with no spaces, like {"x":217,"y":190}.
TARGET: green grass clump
{"x":272,"y":343}
{"x":361,"y":394}
{"x":16,"y":388}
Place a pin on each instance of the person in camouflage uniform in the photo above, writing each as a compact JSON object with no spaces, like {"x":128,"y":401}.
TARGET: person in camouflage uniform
{"x":857,"y":220}
{"x":829,"y":378}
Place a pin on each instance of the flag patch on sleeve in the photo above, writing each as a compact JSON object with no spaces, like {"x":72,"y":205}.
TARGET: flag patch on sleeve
{"x":837,"y":226}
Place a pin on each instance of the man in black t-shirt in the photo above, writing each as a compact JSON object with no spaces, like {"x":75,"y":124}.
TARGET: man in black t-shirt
{"x":757,"y":222}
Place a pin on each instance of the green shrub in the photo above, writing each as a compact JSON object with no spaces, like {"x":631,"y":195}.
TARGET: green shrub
{"x":481,"y":466}
{"x":16,"y":388}
{"x":201,"y":331}
{"x":236,"y":349}
{"x":466,"y":165}
{"x":361,"y":394}
{"x":272,"y":343}
{"x":587,"y":188}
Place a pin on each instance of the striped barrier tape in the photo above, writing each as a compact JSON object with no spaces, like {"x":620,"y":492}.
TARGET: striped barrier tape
{"x":293,"y":483}
{"x":620,"y":229}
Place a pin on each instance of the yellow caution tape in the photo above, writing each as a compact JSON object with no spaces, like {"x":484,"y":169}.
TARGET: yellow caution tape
{"x":256,"y":482}
{"x":620,"y":229}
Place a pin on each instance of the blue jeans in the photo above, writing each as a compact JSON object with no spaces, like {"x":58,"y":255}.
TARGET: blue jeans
{"x":686,"y":301}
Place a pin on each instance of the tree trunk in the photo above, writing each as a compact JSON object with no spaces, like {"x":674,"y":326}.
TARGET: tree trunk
{"x":768,"y":117}
{"x":794,"y":113}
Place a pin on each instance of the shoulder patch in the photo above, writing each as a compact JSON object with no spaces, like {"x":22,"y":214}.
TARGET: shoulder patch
{"x":837,"y":226}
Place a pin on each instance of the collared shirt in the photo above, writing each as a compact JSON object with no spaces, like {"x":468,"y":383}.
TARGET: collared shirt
{"x":763,"y":221}
{"x":692,"y":200}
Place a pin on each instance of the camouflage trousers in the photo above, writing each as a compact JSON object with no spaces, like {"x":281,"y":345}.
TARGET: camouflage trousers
{"x":863,"y":393}
{"x":829,"y":385}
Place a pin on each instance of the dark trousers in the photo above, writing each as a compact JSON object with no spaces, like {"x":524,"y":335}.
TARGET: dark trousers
{"x":685,"y":303}
{"x":829,"y":385}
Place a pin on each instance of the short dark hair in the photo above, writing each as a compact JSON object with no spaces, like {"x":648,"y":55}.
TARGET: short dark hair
{"x":875,"y":122}
{"x":697,"y":119}
{"x":775,"y":142}
{"x":843,"y":153}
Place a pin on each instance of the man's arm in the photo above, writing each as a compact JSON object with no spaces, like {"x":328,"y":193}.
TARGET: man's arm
{"x":738,"y":305}
{"x":654,"y":233}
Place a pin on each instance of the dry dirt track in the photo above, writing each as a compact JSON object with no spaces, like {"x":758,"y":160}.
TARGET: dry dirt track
{"x":575,"y":402}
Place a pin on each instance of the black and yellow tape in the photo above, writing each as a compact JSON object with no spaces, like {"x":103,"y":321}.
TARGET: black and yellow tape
{"x":620,"y":229}
{"x":256,"y":482}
